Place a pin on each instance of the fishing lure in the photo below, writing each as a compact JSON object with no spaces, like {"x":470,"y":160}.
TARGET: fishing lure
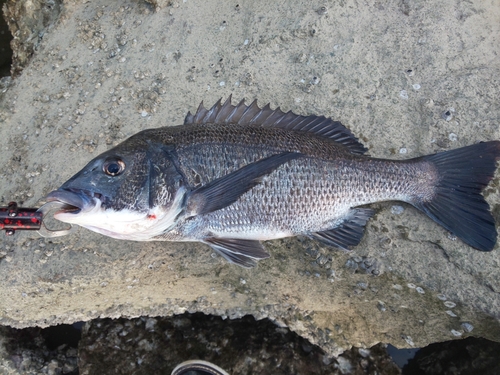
{"x":14,"y":218}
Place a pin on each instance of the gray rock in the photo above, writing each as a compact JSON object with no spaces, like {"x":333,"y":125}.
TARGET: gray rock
{"x":108,"y":69}
{"x":28,"y":21}
{"x":129,"y":346}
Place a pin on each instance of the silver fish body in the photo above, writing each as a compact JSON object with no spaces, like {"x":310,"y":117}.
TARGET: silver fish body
{"x":232,"y":176}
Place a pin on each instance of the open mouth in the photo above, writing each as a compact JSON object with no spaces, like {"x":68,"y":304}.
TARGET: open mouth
{"x":72,"y":201}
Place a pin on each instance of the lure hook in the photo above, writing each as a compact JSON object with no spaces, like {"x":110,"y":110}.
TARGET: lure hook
{"x":49,"y":233}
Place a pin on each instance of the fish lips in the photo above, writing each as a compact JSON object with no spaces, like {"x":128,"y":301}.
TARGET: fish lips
{"x":74,"y":201}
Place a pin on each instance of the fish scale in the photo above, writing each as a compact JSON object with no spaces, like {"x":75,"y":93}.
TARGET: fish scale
{"x":304,"y":196}
{"x":234,"y":175}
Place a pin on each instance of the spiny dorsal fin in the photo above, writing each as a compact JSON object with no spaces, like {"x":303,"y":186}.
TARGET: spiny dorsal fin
{"x":243,"y":114}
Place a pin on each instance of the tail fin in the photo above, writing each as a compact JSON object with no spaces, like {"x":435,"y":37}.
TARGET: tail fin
{"x":458,"y":204}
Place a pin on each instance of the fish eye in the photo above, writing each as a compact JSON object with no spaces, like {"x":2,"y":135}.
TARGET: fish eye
{"x":113,"y":167}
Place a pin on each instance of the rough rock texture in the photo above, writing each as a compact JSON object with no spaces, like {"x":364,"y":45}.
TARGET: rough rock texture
{"x":469,"y":356}
{"x":409,"y":78}
{"x":156,"y":345}
{"x":31,"y":351}
{"x":241,"y":346}
{"x":5,"y":50}
{"x":28,"y":21}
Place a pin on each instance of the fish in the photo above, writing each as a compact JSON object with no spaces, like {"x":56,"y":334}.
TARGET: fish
{"x":234,"y":175}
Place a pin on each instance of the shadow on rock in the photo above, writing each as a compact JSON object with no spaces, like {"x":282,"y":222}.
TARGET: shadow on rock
{"x":460,"y":357}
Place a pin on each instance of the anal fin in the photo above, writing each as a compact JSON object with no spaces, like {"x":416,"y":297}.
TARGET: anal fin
{"x":349,"y":233}
{"x":244,"y":253}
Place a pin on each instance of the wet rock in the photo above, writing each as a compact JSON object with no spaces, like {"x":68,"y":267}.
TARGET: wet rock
{"x":240,"y":346}
{"x":468,"y":356}
{"x":36,"y":351}
{"x":5,"y":49}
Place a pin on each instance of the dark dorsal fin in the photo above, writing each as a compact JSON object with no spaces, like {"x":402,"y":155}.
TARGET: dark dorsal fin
{"x":243,"y":114}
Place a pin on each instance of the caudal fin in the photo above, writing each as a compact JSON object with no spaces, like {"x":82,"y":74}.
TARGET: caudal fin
{"x":457,"y":203}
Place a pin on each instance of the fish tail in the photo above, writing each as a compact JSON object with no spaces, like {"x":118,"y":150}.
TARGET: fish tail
{"x":457,"y":203}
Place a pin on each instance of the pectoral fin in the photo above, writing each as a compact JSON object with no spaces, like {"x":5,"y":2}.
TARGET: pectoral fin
{"x":226,"y":190}
{"x":349,"y":233}
{"x":244,"y":253}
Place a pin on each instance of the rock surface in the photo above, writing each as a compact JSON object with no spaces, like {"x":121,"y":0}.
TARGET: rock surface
{"x":28,"y":21}
{"x":468,"y":356}
{"x":156,"y":345}
{"x":5,"y":50}
{"x":408,"y":78}
{"x":240,"y":346}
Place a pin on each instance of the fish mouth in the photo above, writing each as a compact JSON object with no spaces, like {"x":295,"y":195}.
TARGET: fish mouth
{"x":73,"y":201}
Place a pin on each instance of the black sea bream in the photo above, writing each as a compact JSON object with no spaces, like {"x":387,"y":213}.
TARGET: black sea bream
{"x":233,"y":176}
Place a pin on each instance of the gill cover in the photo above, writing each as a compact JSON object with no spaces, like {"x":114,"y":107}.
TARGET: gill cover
{"x":133,"y":191}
